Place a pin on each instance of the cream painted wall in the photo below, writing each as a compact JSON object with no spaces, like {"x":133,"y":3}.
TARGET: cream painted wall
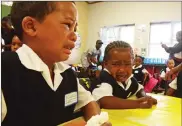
{"x":116,"y":13}
{"x":83,"y":22}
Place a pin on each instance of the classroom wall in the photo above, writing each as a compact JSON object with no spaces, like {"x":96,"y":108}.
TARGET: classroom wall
{"x":117,"y":13}
{"x":5,"y":10}
{"x":83,"y":22}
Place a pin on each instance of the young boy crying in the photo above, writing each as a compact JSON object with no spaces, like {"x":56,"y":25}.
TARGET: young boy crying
{"x":38,"y":88}
{"x":117,"y":81}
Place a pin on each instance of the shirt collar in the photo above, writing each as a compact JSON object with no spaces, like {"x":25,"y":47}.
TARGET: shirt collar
{"x":106,"y":70}
{"x":32,"y":61}
{"x":127,"y":83}
{"x":137,"y":67}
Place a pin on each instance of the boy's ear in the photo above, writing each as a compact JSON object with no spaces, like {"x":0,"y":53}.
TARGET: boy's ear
{"x":29,"y":26}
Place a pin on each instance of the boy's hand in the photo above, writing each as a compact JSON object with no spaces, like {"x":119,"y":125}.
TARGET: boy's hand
{"x":145,"y":102}
{"x":163,"y":45}
{"x":107,"y":124}
{"x":154,"y":101}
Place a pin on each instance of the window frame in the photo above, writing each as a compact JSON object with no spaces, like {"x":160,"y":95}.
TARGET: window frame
{"x":120,"y":27}
{"x":172,"y":23}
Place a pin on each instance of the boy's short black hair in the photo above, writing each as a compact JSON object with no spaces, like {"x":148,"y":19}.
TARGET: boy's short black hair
{"x":116,"y":44}
{"x":35,"y":9}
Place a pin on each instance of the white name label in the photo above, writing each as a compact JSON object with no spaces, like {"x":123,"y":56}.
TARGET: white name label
{"x":71,"y":98}
{"x":136,"y":71}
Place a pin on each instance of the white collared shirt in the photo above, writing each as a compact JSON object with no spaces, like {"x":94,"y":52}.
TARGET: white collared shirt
{"x":32,"y":61}
{"x":173,"y":84}
{"x":163,"y":73}
{"x":106,"y":89}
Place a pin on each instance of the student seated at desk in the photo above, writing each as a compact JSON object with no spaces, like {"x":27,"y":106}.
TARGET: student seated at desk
{"x":117,"y":82}
{"x":139,"y":72}
{"x":38,"y":89}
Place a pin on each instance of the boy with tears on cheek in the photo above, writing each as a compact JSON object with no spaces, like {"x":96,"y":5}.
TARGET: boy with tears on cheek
{"x":117,"y":81}
{"x":37,"y":88}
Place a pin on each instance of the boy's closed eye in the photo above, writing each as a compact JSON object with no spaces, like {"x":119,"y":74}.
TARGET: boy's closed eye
{"x":68,"y":25}
{"x":120,"y":63}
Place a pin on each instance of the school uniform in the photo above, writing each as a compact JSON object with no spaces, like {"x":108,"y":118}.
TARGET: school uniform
{"x":110,"y":87}
{"x":165,"y":84}
{"x":176,"y":84}
{"x":31,"y":98}
{"x":138,"y":73}
{"x":163,"y":73}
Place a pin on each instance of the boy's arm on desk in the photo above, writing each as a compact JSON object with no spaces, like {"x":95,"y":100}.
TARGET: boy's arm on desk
{"x":111,"y":102}
{"x":90,"y":110}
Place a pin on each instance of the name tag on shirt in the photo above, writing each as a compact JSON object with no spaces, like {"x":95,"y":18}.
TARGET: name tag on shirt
{"x":136,"y":71}
{"x":71,"y":98}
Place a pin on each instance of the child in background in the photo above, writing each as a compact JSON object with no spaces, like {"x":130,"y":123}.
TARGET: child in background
{"x":139,"y":72}
{"x":16,"y":43}
{"x":165,"y":81}
{"x":117,"y":82}
{"x":170,"y":65}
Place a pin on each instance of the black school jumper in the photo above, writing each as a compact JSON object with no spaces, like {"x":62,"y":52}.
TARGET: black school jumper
{"x":29,"y":99}
{"x":138,"y":74}
{"x":118,"y":91}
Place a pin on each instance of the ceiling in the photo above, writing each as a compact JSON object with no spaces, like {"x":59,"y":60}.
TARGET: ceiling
{"x":93,"y":2}
{"x":10,"y":3}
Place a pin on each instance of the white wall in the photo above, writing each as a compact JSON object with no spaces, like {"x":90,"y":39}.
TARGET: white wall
{"x":116,"y":13}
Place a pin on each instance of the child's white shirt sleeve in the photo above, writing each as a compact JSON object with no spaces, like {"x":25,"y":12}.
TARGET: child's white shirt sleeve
{"x":84,"y":97}
{"x":173,"y":84}
{"x":4,"y":109}
{"x":140,"y":87}
{"x":162,"y":74}
{"x":103,"y":90}
{"x":144,"y":71}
